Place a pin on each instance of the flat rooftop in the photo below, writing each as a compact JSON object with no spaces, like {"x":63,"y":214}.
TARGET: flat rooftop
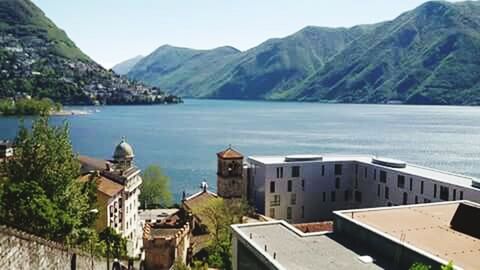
{"x":297,"y":250}
{"x":156,"y":214}
{"x":424,"y":228}
{"x":410,"y":169}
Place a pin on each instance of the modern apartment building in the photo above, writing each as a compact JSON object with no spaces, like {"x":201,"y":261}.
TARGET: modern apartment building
{"x":305,"y":188}
{"x":433,"y":234}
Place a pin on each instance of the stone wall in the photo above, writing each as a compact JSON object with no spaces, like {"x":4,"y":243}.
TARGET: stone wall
{"x":23,"y":251}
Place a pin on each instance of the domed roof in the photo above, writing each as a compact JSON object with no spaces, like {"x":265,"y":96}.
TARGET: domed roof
{"x":123,"y":150}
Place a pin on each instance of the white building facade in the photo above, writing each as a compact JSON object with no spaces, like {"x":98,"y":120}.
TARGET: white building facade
{"x":306,"y":188}
{"x":118,"y":194}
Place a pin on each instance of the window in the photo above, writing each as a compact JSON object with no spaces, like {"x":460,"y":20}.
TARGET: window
{"x":296,"y":171}
{"x":416,"y":199}
{"x":275,"y":201}
{"x":289,"y":213}
{"x":337,"y":182}
{"x":358,"y":196}
{"x":280,"y":172}
{"x":454,"y":194}
{"x":444,"y":193}
{"x":323,"y":170}
{"x":272,"y":212}
{"x":375,"y":174}
{"x":303,"y":212}
{"x":332,"y":198}
{"x":348,"y":195}
{"x":356,"y":182}
{"x":324,"y":196}
{"x":378,"y":190}
{"x":401,"y":181}
{"x":365,"y":173}
{"x":293,"y":199}
{"x":289,"y":186}
{"x":272,"y":187}
{"x":356,"y":169}
{"x":303,"y":185}
{"x":383,"y":176}
{"x":405,"y":198}
{"x":386,"y":193}
{"x":411,"y":184}
{"x":421,"y":187}
{"x":461,"y":195}
{"x":338,"y":169}
{"x":435,"y":190}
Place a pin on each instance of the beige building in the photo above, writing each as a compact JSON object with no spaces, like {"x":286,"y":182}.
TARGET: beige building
{"x":118,"y":182}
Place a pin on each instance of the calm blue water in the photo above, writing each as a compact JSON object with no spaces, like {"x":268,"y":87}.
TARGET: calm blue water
{"x":183,"y":139}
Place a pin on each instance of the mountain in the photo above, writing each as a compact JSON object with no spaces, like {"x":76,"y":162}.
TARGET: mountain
{"x":262,"y":72}
{"x":125,"y":66}
{"x":38,"y":59}
{"x":425,"y":56}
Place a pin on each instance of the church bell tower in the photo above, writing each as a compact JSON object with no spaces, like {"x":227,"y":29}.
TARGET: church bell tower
{"x":230,"y":182}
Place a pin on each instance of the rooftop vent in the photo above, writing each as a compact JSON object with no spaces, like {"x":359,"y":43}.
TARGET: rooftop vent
{"x":294,"y":158}
{"x":366,"y":259}
{"x":393,"y":163}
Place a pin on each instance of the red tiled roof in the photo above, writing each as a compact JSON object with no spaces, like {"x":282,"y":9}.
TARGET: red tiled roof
{"x":229,"y":153}
{"x":199,"y":199}
{"x":104,"y":185}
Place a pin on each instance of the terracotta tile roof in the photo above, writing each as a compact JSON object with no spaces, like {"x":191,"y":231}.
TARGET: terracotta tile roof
{"x":198,"y":199}
{"x":92,"y":164}
{"x":229,"y":153}
{"x":104,"y":185}
{"x":326,"y":226}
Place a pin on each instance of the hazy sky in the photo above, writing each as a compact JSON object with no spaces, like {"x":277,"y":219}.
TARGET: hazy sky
{"x":111,"y":31}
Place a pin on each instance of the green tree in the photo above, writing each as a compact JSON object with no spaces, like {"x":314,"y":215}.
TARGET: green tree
{"x":420,"y":266}
{"x":449,"y":266}
{"x":155,"y":189}
{"x":115,"y":244}
{"x":218,"y":214}
{"x":41,"y":194}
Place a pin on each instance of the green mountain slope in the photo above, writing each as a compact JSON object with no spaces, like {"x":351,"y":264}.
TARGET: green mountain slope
{"x":38,"y":59}
{"x":426,"y":56}
{"x":125,"y":66}
{"x":182,"y":70}
{"x":262,"y":72}
{"x":23,"y":19}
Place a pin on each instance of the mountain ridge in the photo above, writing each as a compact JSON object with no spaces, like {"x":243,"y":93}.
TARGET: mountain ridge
{"x":423,"y":56}
{"x":38,"y":59}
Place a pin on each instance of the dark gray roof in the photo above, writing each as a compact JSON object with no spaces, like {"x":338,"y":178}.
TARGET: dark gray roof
{"x":299,"y":251}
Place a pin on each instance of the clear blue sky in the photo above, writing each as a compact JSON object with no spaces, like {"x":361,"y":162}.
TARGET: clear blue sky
{"x":111,"y":31}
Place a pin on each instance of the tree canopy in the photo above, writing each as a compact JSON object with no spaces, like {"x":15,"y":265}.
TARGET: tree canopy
{"x":218,"y":214}
{"x":155,"y":190}
{"x":28,"y":106}
{"x":41,"y":194}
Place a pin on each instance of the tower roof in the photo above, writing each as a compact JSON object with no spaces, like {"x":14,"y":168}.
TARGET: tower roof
{"x":123,"y":150}
{"x":229,"y":153}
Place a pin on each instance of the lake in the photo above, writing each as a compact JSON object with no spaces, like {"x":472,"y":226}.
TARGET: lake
{"x":184,"y":139}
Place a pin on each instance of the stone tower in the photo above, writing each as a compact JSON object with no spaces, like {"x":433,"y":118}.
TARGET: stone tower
{"x":230,"y":183}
